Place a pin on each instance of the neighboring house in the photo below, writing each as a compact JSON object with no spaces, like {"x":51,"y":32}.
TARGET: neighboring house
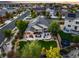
{"x":9,"y":10}
{"x":53,"y":12}
{"x":64,"y":11}
{"x":39,"y":8}
{"x":71,"y":24}
{"x":2,"y":12}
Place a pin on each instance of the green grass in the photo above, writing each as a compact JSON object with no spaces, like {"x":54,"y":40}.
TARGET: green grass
{"x":65,"y":36}
{"x":22,"y":44}
{"x":69,"y":37}
{"x":47,"y":44}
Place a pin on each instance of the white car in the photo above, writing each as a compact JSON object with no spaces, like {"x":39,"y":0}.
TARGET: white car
{"x":7,"y":21}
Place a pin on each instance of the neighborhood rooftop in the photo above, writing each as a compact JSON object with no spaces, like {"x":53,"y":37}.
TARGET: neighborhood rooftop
{"x":36,"y":27}
{"x":43,"y":26}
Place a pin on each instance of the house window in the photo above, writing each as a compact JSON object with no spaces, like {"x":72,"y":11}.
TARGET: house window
{"x":77,"y":22}
{"x":69,"y":25}
{"x":75,"y":27}
{"x":72,"y":15}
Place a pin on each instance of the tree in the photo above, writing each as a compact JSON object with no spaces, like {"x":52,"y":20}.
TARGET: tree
{"x":54,"y":27}
{"x":32,"y":49}
{"x":1,"y":20}
{"x":21,"y":25}
{"x":8,"y":15}
{"x":59,"y":15}
{"x":48,"y":15}
{"x":33,"y":14}
{"x":53,"y":53}
{"x":7,"y":33}
{"x":75,"y":39}
{"x":43,"y":53}
{"x":18,"y":11}
{"x":44,"y":13}
{"x":73,"y":10}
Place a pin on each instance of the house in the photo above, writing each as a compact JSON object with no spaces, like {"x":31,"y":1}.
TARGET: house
{"x":53,"y":12}
{"x":44,"y":27}
{"x":71,"y":24}
{"x":38,"y":23}
{"x":9,"y":10}
{"x":39,"y":29}
{"x":2,"y":12}
{"x":36,"y":28}
{"x":39,"y":8}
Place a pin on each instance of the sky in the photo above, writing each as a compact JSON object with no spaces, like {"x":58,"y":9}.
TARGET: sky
{"x":46,"y":1}
{"x":50,"y":1}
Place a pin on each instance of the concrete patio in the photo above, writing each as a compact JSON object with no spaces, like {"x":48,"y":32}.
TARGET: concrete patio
{"x":41,"y":36}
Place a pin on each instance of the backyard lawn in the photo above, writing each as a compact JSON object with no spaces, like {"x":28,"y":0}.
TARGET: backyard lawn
{"x":34,"y":48}
{"x":45,"y":44}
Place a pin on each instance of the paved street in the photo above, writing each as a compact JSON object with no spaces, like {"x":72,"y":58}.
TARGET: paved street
{"x":11,"y":26}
